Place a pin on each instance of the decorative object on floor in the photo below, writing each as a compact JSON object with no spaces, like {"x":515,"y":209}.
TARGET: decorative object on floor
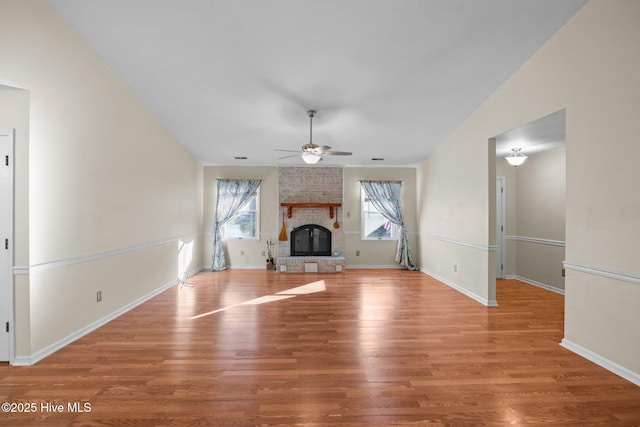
{"x":516,"y":158}
{"x":312,"y":153}
{"x":270,"y":262}
{"x":182,"y":280}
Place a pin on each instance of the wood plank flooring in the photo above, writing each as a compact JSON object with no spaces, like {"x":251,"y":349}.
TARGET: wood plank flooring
{"x":361,"y":348}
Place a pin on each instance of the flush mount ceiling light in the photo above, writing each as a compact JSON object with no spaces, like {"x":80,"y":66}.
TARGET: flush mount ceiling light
{"x":516,"y":158}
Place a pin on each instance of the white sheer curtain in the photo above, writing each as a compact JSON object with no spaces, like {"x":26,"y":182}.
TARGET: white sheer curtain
{"x":386,"y":197}
{"x":232,"y":195}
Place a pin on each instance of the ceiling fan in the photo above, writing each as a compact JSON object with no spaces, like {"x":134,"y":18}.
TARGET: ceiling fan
{"x":312,"y":153}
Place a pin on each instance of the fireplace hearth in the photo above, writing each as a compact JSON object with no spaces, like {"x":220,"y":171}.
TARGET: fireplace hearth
{"x":310,"y":240}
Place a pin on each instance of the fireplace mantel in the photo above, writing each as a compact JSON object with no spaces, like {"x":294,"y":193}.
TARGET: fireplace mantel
{"x":310,"y":205}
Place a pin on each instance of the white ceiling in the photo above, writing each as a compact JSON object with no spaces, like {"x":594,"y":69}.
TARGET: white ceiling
{"x":388,"y":78}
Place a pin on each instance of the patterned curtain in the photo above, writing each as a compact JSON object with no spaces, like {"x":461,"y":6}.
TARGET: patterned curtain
{"x":233,"y":194}
{"x":386,"y":197}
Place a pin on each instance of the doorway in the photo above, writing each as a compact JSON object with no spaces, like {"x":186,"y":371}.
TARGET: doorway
{"x":500,"y":214}
{"x":6,"y":240}
{"x":533,"y":202}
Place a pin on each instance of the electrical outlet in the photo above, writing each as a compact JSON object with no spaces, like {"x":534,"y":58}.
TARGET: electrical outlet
{"x":455,"y":268}
{"x":357,"y":253}
{"x":98,"y":296}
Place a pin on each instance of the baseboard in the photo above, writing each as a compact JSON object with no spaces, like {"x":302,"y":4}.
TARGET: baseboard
{"x":248,"y":267}
{"x":621,"y":371}
{"x":481,"y":300}
{"x":536,"y":283}
{"x":362,"y":266}
{"x":52,"y":348}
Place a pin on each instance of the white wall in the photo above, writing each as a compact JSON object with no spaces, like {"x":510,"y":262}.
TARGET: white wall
{"x":114,"y":201}
{"x":589,"y":67}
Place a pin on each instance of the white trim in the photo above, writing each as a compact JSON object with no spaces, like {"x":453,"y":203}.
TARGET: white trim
{"x":247,"y":267}
{"x":536,"y":283}
{"x":501,"y":243}
{"x":52,"y":348}
{"x":98,"y":255}
{"x":489,"y":248}
{"x":536,"y":240}
{"x":481,"y":300}
{"x":619,"y":370}
{"x":363,"y":266}
{"x":20,"y":271}
{"x":598,"y":271}
{"x":7,"y":194}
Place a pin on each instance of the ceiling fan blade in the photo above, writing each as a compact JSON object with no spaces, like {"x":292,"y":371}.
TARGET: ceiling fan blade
{"x":288,"y":151}
{"x":323,"y":148}
{"x":286,"y":157}
{"x":337,"y":153}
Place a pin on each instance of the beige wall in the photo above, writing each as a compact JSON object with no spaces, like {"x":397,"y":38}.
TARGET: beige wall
{"x":376,"y":253}
{"x":535,"y":200}
{"x":541,"y":218}
{"x":244,"y":253}
{"x":248,"y":253}
{"x":457,"y":232}
{"x":114,"y":201}
{"x":589,"y":67}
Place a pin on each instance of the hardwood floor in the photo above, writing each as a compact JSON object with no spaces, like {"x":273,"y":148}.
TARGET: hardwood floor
{"x":361,"y":348}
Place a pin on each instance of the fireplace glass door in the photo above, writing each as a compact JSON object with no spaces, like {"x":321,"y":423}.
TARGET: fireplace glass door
{"x":310,"y":240}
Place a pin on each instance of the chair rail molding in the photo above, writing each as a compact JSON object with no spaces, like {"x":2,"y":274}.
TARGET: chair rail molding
{"x":599,"y":271}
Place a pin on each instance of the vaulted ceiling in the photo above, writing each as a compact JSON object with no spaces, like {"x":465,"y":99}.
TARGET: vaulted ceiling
{"x":389,"y":79}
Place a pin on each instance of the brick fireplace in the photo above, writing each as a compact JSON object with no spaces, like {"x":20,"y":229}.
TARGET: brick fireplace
{"x":312,"y":197}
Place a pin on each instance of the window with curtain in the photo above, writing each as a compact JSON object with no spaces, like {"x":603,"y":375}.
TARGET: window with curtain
{"x":246,"y":224}
{"x":232,"y":196}
{"x":386,"y":198}
{"x":374,"y":225}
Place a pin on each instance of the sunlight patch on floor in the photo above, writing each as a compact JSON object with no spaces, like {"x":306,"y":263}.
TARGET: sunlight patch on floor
{"x":309,"y":288}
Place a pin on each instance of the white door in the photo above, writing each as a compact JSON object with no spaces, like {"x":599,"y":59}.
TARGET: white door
{"x":500,"y":227}
{"x":6,"y":243}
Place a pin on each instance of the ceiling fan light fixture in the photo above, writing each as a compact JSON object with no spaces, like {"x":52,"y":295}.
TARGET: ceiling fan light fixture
{"x":313,"y":153}
{"x":516,"y":158}
{"x":311,"y":158}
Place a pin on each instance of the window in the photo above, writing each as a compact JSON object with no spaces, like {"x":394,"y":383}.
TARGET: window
{"x":374,"y":225}
{"x":245,"y":225}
